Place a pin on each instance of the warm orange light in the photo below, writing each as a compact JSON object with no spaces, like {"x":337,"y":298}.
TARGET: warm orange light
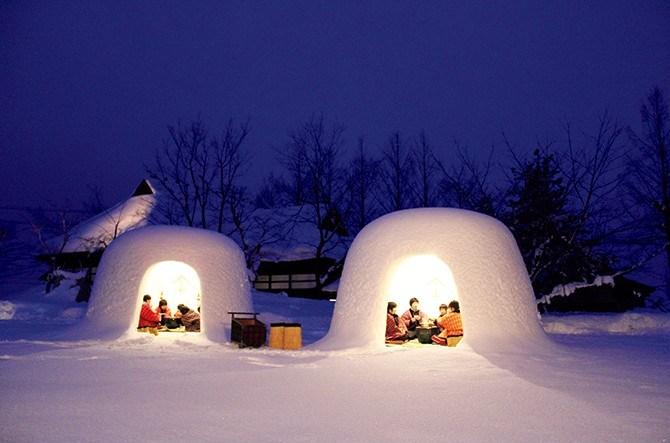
{"x":174,"y":281}
{"x":425,"y":277}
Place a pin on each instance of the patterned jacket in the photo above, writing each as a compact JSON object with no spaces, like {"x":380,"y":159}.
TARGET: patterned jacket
{"x":191,"y":321}
{"x":148,"y":317}
{"x":408,"y":319}
{"x":395,"y":328}
{"x":450,"y":324}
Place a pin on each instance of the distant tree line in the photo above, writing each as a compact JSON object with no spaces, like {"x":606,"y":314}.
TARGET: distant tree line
{"x":587,"y":204}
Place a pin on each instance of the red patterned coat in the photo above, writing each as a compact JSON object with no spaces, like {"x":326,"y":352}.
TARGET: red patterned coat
{"x":148,"y":317}
{"x":450,"y":324}
{"x":395,"y":328}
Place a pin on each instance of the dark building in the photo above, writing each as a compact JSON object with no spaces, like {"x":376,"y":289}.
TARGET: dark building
{"x":617,"y":294}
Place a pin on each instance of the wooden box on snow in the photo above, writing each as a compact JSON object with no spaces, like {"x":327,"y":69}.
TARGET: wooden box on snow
{"x":247,"y":330}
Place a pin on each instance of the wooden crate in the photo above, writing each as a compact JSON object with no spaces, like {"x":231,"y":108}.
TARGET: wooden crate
{"x":247,"y":330}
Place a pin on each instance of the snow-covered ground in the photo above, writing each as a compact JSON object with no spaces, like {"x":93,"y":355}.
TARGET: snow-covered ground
{"x":608,"y":380}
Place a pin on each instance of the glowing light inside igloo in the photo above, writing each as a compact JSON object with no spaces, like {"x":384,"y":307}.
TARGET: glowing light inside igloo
{"x":425,"y":277}
{"x":174,"y":281}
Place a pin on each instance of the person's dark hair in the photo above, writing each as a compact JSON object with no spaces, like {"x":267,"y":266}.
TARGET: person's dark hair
{"x":147,"y":297}
{"x":162,"y":302}
{"x":183,"y":309}
{"x":412,"y":300}
{"x":443,"y":306}
{"x":390,"y":306}
{"x":455,"y":306}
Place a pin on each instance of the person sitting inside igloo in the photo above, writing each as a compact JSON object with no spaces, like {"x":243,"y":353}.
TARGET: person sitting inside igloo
{"x":190,"y":319}
{"x":449,"y":322}
{"x":149,"y":319}
{"x":413,"y":317}
{"x":395,"y":328}
{"x":163,"y":311}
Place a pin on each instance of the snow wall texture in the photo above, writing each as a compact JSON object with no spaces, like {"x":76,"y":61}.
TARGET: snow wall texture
{"x":496,"y":297}
{"x":115,"y":299}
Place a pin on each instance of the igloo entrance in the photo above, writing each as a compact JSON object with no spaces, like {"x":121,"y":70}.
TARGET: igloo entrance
{"x":213,"y":272}
{"x":426,"y":278}
{"x":175,"y":282}
{"x":489,"y":275}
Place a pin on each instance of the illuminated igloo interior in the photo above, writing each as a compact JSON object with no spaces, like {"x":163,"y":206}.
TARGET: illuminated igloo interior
{"x":437,"y":255}
{"x":174,"y":281}
{"x":195,"y":267}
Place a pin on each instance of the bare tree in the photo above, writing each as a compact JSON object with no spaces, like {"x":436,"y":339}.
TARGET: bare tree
{"x":648,"y":178}
{"x":593,"y":175}
{"x":228,"y":162}
{"x":252,"y":229}
{"x":397,"y":175}
{"x":274,"y":192}
{"x":184,"y":172}
{"x":198,"y":171}
{"x":94,"y":204}
{"x":562,"y":206}
{"x":426,"y":171}
{"x":293,"y":157}
{"x":362,"y":181}
{"x":466,"y":183}
{"x":311,"y":157}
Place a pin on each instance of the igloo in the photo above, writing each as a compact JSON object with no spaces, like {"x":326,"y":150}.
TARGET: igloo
{"x":437,"y":255}
{"x":192,"y":266}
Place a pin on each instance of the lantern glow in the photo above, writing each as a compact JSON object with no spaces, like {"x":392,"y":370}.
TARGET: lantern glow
{"x":425,"y":277}
{"x":175,"y":281}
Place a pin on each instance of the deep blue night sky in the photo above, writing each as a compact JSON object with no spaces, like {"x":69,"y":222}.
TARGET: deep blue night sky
{"x":87,"y":88}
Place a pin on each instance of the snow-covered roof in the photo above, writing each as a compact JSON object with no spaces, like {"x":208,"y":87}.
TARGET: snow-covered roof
{"x":99,"y":231}
{"x":475,"y":260}
{"x":121,"y":280}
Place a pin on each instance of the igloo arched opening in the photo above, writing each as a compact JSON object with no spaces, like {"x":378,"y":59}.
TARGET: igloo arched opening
{"x":201,"y":264}
{"x":425,"y":277}
{"x":175,"y":282}
{"x":487,"y":276}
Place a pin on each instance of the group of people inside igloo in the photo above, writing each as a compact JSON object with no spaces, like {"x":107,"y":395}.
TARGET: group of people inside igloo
{"x":414,"y":324}
{"x":161,"y":319}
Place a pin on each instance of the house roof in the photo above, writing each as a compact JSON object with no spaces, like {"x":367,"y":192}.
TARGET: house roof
{"x":98,"y":231}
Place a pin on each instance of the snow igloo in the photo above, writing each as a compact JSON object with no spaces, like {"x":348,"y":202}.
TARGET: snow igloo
{"x":192,"y":266}
{"x":437,"y":255}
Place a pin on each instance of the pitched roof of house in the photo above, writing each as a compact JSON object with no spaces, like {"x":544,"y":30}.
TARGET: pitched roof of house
{"x":98,"y":231}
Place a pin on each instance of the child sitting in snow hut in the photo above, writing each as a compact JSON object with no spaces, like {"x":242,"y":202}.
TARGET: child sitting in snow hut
{"x":450,"y":323}
{"x":149,"y":319}
{"x":395,"y":328}
{"x":163,"y":311}
{"x":413,"y":317}
{"x":189,"y":318}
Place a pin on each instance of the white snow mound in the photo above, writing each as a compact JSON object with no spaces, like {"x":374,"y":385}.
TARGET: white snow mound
{"x":215,"y":261}
{"x":481,"y":266}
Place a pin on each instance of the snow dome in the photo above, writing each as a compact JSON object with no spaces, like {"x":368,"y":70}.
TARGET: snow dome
{"x":185,"y":265}
{"x":436,"y":255}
